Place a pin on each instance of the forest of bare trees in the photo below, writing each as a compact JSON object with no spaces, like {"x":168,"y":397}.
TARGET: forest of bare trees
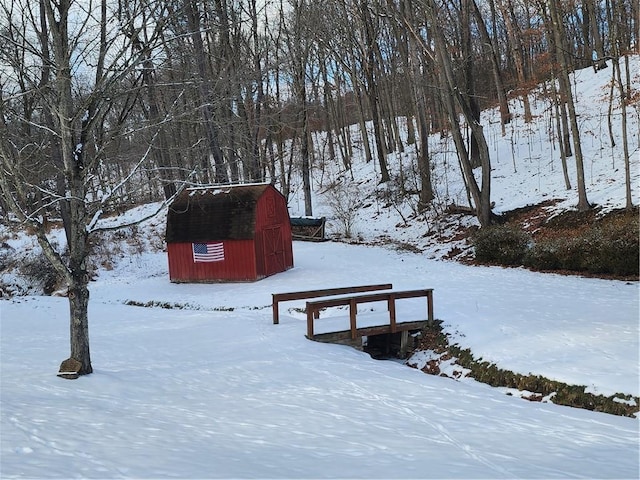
{"x":212,"y":92}
{"x":107,"y":103}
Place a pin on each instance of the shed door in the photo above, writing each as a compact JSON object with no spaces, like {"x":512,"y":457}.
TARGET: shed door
{"x":273,"y":250}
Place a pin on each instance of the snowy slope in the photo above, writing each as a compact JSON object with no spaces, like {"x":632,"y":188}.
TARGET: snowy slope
{"x":526,"y":169}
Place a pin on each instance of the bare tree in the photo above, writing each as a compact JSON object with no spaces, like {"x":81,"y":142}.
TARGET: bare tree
{"x":436,"y":47}
{"x":77,"y":103}
{"x":140,"y":43}
{"x":415,"y":62}
{"x":593,"y":37}
{"x":299,"y":46}
{"x":490,"y":46}
{"x":565,"y":92}
{"x":221,"y":174}
{"x":614,"y":16}
{"x":516,"y":51}
{"x":370,"y":69}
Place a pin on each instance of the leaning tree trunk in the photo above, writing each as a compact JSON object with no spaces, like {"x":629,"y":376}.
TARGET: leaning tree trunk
{"x":481,"y":195}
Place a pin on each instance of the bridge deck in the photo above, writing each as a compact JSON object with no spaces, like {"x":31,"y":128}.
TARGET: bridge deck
{"x":341,"y":335}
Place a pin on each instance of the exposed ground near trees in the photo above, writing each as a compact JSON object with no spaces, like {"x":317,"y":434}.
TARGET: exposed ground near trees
{"x":591,"y":243}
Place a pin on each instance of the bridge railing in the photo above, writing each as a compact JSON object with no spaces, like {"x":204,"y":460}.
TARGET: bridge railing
{"x":277,"y":298}
{"x":314,"y":307}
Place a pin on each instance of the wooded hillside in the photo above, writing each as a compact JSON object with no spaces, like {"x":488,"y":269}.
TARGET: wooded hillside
{"x":142,"y":97}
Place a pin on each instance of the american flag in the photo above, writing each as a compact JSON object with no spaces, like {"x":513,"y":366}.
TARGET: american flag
{"x":208,"y":252}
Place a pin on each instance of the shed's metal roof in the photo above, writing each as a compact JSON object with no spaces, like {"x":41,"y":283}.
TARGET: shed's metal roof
{"x":214,"y":213}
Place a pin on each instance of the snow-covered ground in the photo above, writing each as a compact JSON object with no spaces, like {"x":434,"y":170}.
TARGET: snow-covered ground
{"x":212,"y":389}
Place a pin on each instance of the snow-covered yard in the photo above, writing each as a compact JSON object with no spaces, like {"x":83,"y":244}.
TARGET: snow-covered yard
{"x":212,"y":389}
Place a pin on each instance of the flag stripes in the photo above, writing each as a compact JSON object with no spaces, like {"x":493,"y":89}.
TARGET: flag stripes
{"x":208,"y":252}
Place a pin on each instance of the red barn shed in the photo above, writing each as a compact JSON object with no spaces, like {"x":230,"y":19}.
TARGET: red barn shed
{"x":228,"y":233}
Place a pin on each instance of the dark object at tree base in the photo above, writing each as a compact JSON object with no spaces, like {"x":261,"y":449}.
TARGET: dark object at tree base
{"x":70,"y":369}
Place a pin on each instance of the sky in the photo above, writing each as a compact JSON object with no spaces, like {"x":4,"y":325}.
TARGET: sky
{"x":211,"y":388}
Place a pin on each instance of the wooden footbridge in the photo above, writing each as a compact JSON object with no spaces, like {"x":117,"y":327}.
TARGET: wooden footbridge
{"x":384,"y":330}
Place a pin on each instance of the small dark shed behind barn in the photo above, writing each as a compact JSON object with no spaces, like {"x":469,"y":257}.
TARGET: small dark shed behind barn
{"x":228,"y":233}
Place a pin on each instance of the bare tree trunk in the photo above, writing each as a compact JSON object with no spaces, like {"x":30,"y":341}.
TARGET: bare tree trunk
{"x":599,"y":62}
{"x":73,"y":161}
{"x":565,"y":86}
{"x":304,"y":152}
{"x":450,"y":94}
{"x":469,"y":83}
{"x":617,"y":80}
{"x":372,"y":91}
{"x":414,"y":61}
{"x":299,"y":50}
{"x":491,"y":48}
{"x":220,"y":175}
{"x":154,"y":116}
{"x":560,"y":97}
{"x":559,"y":109}
{"x":329,"y":120}
{"x":56,"y":154}
{"x":342,"y":126}
{"x":362,"y":120}
{"x":625,"y":142}
{"x":516,"y":48}
{"x":424,"y":162}
{"x":635,"y":13}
